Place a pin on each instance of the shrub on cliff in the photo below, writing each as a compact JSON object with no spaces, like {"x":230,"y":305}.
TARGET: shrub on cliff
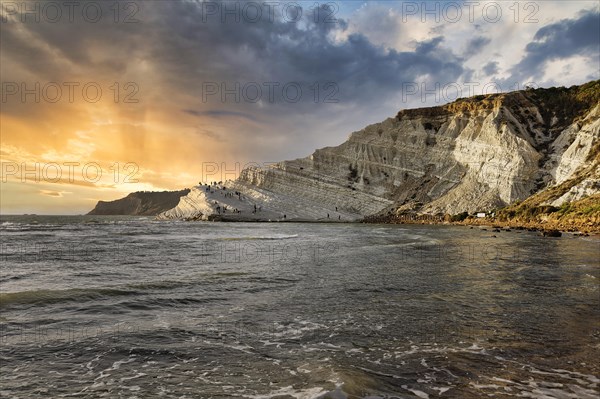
{"x":460,"y":217}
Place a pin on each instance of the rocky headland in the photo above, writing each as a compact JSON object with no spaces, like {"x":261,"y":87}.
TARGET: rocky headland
{"x":142,"y":203}
{"x":500,"y":154}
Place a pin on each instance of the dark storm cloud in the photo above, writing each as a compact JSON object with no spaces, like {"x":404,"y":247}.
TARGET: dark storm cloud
{"x":174,"y":49}
{"x":280,"y":51}
{"x":475,"y":46}
{"x":46,"y":48}
{"x":491,"y":68}
{"x":561,"y":40}
{"x":186,"y":48}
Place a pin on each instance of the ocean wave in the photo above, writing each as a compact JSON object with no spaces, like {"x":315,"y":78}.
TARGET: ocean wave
{"x":4,"y":279}
{"x":54,"y":296}
{"x":266,"y":237}
{"x":44,"y":297}
{"x":309,"y":393}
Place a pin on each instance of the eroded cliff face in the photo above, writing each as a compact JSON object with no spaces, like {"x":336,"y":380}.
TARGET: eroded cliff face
{"x":474,"y":154}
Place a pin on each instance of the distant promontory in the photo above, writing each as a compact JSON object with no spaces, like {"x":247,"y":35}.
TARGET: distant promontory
{"x":142,"y":203}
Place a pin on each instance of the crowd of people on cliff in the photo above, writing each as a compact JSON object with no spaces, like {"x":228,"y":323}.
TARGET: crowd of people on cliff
{"x":214,"y":185}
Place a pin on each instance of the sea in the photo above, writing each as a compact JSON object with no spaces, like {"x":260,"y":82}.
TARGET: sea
{"x":131,"y":307}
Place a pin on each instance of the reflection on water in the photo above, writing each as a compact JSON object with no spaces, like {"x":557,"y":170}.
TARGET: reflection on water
{"x":137,"y":308}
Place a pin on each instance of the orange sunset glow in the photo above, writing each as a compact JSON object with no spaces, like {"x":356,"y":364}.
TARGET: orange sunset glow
{"x":148,"y":96}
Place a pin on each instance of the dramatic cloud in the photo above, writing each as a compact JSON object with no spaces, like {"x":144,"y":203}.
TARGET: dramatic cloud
{"x":562,"y":40}
{"x":186,"y":82}
{"x":490,"y":68}
{"x":476,"y":45}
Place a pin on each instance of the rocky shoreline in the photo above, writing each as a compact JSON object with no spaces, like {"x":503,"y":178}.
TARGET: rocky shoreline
{"x":546,"y":228}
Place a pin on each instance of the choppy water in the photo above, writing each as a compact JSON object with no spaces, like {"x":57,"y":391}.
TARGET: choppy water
{"x":131,"y":307}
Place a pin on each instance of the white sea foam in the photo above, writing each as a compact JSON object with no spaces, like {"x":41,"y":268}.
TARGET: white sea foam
{"x":309,"y":393}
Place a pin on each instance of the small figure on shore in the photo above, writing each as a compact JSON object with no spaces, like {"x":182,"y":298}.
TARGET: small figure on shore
{"x":339,"y":217}
{"x":284,"y":216}
{"x":327,"y":216}
{"x":336,"y":208}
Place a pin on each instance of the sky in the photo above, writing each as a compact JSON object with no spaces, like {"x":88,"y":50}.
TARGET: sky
{"x":103,"y":98}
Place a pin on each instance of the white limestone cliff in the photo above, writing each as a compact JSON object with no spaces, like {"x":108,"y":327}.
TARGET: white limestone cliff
{"x":471,"y":155}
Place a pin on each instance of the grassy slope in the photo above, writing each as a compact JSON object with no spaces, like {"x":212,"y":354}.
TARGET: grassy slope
{"x":582,"y":215}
